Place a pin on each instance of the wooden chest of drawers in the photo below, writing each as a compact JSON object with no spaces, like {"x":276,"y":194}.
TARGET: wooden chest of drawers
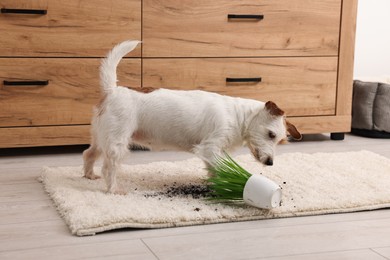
{"x":298,"y":53}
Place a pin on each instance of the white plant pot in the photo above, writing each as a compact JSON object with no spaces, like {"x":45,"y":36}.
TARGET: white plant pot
{"x":261,"y":192}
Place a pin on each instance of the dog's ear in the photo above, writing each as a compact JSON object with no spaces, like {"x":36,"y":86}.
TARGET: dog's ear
{"x":273,"y":109}
{"x":292,"y":130}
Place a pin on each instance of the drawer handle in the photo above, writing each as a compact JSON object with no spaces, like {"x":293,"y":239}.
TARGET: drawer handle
{"x":22,"y":11}
{"x":26,"y":83}
{"x":243,"y":79}
{"x":246,"y":16}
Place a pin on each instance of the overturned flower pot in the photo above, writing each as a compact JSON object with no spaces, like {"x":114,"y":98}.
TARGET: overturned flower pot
{"x":261,"y":192}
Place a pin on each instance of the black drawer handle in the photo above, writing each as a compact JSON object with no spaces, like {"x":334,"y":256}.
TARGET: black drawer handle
{"x":243,"y":79}
{"x":26,"y":83}
{"x":246,"y":16}
{"x":22,"y":11}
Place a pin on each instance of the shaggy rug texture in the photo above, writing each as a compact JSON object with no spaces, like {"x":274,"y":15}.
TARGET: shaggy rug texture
{"x":169,"y":194}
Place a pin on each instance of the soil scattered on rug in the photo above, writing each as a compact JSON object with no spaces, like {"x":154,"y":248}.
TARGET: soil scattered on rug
{"x":196,"y":191}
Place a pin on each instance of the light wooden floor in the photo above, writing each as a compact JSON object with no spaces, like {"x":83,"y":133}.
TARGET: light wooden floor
{"x":30,"y":227}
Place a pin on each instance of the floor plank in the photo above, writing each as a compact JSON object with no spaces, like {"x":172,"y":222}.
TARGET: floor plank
{"x":384,"y":251}
{"x":17,"y":212}
{"x":19,"y":175}
{"x":127,"y":249}
{"x":22,"y":192}
{"x":272,"y":242}
{"x":364,"y":254}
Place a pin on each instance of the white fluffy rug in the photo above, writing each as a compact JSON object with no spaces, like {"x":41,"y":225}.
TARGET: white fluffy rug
{"x":312,"y":184}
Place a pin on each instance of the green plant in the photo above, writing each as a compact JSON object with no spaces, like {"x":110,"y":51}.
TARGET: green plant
{"x":228,"y":180}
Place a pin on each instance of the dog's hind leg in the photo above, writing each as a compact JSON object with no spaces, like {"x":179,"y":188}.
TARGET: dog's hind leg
{"x":90,"y":156}
{"x":112,"y":160}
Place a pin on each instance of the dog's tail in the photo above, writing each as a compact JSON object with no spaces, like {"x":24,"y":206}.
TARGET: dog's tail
{"x":108,"y":66}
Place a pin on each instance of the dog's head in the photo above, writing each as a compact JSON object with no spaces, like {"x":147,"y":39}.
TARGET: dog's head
{"x":267,"y":128}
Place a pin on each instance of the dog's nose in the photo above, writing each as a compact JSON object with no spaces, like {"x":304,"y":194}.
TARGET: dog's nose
{"x":269,"y":161}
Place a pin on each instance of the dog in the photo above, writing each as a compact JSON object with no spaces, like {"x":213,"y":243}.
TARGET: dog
{"x":204,"y":123}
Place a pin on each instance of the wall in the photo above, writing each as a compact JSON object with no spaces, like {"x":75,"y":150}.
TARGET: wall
{"x":372,"y":49}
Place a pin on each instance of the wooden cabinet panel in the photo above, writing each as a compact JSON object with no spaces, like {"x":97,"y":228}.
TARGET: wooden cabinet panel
{"x":72,"y":90}
{"x":44,"y":136}
{"x":300,"y":86}
{"x":71,"y":28}
{"x":322,"y":124}
{"x":189,"y":28}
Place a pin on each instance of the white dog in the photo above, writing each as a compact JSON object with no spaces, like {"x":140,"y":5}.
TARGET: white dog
{"x":196,"y":121}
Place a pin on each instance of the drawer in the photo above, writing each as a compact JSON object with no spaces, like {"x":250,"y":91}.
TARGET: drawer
{"x":71,"y":28}
{"x":299,"y":85}
{"x":202,"y":29}
{"x":72,"y":89}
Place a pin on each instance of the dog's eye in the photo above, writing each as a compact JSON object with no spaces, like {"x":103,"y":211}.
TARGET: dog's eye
{"x":271,"y":134}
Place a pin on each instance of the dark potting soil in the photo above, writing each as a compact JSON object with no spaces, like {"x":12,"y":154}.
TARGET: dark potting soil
{"x":196,"y":191}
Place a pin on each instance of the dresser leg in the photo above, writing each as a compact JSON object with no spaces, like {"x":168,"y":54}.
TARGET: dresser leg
{"x":337,"y":136}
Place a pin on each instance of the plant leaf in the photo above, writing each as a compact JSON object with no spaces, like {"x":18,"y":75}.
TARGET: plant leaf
{"x":228,"y":181}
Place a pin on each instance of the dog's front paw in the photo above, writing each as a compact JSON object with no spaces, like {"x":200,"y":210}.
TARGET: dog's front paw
{"x":92,"y":176}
